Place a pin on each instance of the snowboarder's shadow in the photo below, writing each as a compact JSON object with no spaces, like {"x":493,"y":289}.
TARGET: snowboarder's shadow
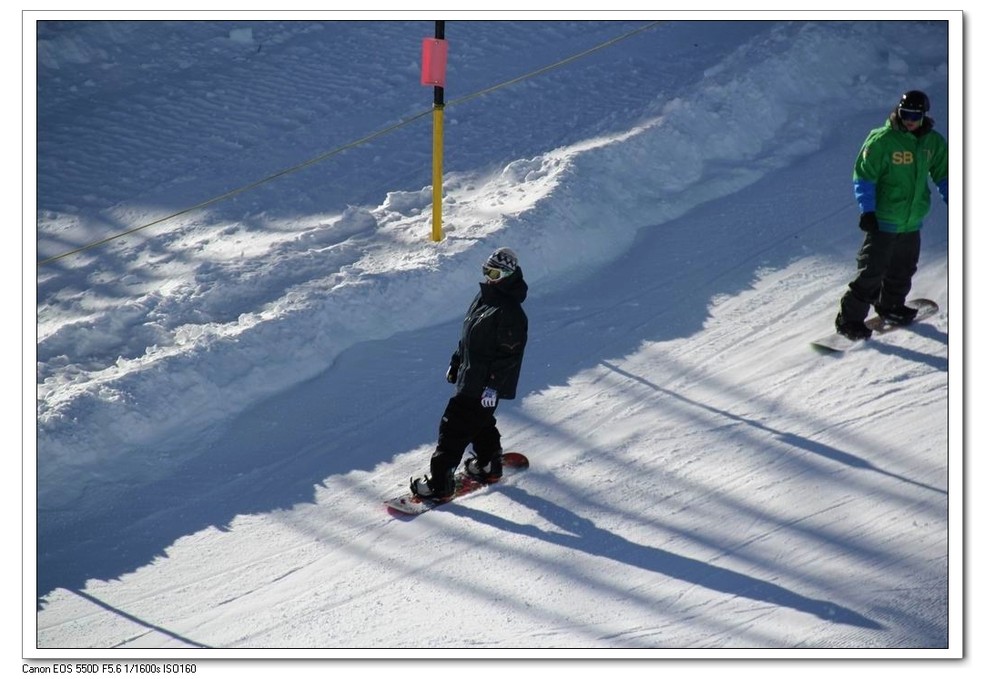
{"x":936,"y":362}
{"x":576,"y":532}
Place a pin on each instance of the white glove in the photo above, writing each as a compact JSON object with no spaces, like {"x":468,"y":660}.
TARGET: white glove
{"x":489,"y":398}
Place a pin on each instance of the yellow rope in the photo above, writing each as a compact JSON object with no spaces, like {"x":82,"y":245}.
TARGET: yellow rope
{"x":358,"y":142}
{"x":235,"y":192}
{"x":563,"y":62}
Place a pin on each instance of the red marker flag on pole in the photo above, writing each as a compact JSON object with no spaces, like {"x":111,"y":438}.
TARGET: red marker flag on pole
{"x":434,"y":59}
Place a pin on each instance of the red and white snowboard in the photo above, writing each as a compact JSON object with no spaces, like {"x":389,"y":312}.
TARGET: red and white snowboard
{"x":835,"y":342}
{"x":410,"y":504}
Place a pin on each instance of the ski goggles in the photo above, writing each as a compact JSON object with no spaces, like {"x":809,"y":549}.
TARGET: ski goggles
{"x":492,"y":274}
{"x":910,"y":116}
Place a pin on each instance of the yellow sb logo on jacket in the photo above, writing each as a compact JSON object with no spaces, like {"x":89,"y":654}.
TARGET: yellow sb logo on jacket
{"x":902,"y":158}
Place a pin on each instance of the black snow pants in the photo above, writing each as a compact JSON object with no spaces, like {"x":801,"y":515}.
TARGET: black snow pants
{"x":886,"y":264}
{"x":464,"y":421}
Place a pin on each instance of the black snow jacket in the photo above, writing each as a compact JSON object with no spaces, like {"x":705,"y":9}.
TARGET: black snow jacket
{"x":494,"y":336}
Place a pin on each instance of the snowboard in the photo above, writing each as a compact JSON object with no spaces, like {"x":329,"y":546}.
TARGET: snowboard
{"x":837,"y":343}
{"x":409,"y":504}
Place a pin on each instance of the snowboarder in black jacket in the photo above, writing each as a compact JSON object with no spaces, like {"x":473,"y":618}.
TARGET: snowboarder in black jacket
{"x":484,"y":369}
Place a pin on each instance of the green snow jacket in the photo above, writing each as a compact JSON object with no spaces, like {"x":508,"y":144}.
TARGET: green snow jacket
{"x":891,"y":174}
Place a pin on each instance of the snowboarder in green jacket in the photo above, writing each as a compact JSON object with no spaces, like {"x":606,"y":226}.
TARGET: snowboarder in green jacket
{"x":891,"y":189}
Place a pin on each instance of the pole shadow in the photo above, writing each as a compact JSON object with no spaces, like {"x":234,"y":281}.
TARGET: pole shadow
{"x":794,"y":440}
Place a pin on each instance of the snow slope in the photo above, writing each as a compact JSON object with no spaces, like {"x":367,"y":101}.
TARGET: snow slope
{"x":224,"y":398}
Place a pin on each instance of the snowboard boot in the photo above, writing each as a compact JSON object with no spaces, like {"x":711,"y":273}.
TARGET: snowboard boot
{"x":900,"y":314}
{"x":429,"y":488}
{"x":853,"y":330}
{"x":485,"y":471}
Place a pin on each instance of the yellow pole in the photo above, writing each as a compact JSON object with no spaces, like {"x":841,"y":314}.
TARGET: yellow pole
{"x":436,"y":171}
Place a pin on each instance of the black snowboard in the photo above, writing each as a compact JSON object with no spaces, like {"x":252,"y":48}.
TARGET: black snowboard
{"x":835,"y":342}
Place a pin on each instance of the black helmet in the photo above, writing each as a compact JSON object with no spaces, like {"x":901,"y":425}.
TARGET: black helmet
{"x":915,"y":101}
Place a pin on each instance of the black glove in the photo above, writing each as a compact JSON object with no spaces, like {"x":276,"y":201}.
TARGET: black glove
{"x":868,"y":222}
{"x":452,"y":374}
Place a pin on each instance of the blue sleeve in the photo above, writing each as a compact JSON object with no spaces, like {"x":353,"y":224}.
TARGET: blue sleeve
{"x":865,"y":194}
{"x":942,"y":187}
